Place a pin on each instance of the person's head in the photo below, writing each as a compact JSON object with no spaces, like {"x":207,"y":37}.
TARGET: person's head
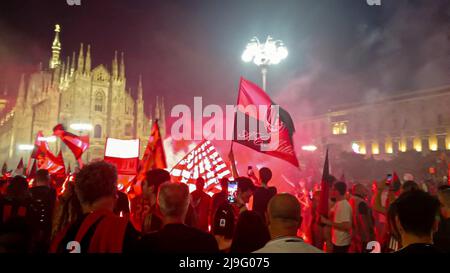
{"x":359,"y":190}
{"x":224,"y":184}
{"x":223,"y":222}
{"x":339,"y":190}
{"x":416,"y":215}
{"x":153,"y":180}
{"x":200,"y":184}
{"x":284,"y":215}
{"x":245,"y":188}
{"x":444,"y":199}
{"x":42,"y":178}
{"x":409,"y":186}
{"x":96,"y":186}
{"x":251,"y":233}
{"x":173,"y":200}
{"x":408,"y":177}
{"x":265,"y":174}
{"x":18,"y":188}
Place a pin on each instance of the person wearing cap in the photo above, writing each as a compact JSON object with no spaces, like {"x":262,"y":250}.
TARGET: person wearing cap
{"x":284,"y":220}
{"x":223,"y":226}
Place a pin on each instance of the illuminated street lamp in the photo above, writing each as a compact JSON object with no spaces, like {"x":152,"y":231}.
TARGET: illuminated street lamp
{"x":49,"y":139}
{"x":309,"y":148}
{"x":25,"y":147}
{"x":271,"y":52}
{"x":81,"y":126}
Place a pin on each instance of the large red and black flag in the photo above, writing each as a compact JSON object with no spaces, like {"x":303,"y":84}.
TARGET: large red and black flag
{"x":154,"y":155}
{"x":77,"y":144}
{"x":262,"y":125}
{"x":327,"y":182}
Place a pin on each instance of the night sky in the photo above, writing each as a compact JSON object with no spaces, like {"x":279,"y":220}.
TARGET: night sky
{"x":340,"y":51}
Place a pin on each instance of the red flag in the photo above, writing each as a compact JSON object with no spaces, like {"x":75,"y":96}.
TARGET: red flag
{"x":154,"y":155}
{"x":124,"y":154}
{"x":77,"y":144}
{"x":19,"y":169}
{"x":4,"y":168}
{"x":395,"y":178}
{"x":43,"y":158}
{"x":274,"y":128}
{"x":40,"y":151}
{"x":327,"y":181}
{"x":32,"y":172}
{"x":54,"y":164}
{"x":40,"y":146}
{"x":203,"y":161}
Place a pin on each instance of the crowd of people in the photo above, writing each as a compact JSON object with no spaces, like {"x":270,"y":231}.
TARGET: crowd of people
{"x":90,"y":215}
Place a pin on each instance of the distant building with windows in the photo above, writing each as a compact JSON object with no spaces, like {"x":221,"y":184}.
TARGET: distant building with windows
{"x":417,"y":121}
{"x":70,"y":92}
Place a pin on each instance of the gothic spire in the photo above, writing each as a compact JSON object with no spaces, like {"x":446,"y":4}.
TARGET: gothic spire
{"x":66,"y":75}
{"x":21,"y":94}
{"x":56,"y":49}
{"x":80,"y":69}
{"x":115,"y":70}
{"x":72,"y":66}
{"x":140,"y":91}
{"x":87,"y":65}
{"x":63,"y":72}
{"x":122,"y":67}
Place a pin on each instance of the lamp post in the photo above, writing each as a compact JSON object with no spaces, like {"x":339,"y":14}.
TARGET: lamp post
{"x":271,"y":52}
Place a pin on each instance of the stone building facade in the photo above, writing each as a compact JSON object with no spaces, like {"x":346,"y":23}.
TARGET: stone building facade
{"x":70,"y":92}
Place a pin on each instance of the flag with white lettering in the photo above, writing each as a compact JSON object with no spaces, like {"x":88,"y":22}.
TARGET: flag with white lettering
{"x":262,"y":125}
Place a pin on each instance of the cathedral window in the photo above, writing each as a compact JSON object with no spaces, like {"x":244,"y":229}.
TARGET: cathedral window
{"x":97,"y":131}
{"x":99,"y":100}
{"x":100,"y":77}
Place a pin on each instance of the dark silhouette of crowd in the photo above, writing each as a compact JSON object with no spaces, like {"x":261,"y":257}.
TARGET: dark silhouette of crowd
{"x":90,"y":215}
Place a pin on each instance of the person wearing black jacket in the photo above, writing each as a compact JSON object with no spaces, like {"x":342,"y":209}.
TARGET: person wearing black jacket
{"x":415,"y":219}
{"x":43,"y":198}
{"x":262,"y":195}
{"x":175,"y":236}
